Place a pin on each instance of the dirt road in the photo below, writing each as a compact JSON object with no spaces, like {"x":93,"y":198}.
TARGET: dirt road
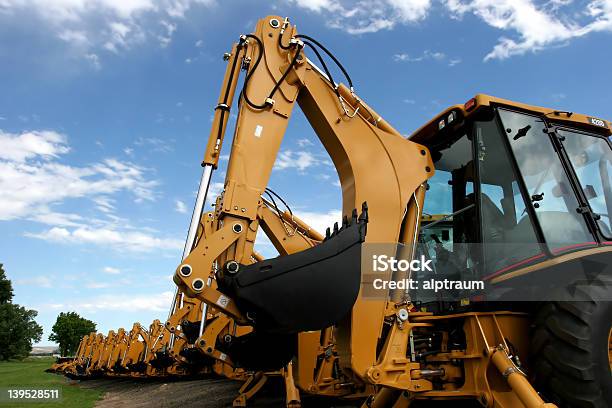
{"x":203,"y":393}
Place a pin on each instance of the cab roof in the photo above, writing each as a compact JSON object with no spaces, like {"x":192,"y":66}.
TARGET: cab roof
{"x":454,"y":117}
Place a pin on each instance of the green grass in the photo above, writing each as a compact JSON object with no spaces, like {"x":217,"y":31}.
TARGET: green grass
{"x":31,"y":373}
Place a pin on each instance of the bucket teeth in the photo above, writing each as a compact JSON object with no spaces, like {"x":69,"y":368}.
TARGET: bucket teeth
{"x":347,"y":222}
{"x":364,"y":212}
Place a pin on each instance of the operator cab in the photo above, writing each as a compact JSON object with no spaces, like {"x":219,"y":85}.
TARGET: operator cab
{"x":516,"y":184}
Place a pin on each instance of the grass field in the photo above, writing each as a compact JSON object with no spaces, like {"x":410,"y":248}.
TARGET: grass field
{"x":31,"y":373}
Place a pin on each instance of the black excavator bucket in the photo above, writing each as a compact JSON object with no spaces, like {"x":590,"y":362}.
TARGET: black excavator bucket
{"x":309,"y":290}
{"x":138,"y":367}
{"x":162,"y":360}
{"x":191,"y":330}
{"x":258,"y":351}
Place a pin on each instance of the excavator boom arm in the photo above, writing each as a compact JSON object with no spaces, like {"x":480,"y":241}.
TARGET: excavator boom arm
{"x":374,"y":162}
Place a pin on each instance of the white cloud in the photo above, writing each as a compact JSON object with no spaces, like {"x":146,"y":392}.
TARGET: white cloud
{"x":264,"y":246}
{"x":38,"y":281}
{"x":536,"y":26}
{"x":214,"y":190}
{"x":155,"y":144}
{"x":178,"y":8}
{"x":52,"y":182}
{"x":94,"y":60}
{"x":317,"y":5}
{"x":113,"y":25}
{"x":557,"y":97}
{"x":120,"y":239}
{"x":601,"y":12}
{"x":402,"y":57}
{"x":199,"y":44}
{"x":361,"y":18}
{"x":32,"y":159}
{"x":426,"y":55}
{"x":166,"y":38}
{"x":528,"y":26}
{"x":304,"y":142}
{"x":180,"y":207}
{"x":410,"y":10}
{"x":104,"y":204}
{"x":158,"y":302}
{"x":43,"y":143}
{"x":122,"y":35}
{"x":111,"y":270}
{"x":97,"y":285}
{"x":319,"y":221}
{"x":46,"y":216}
{"x":76,"y":38}
{"x":300,"y":160}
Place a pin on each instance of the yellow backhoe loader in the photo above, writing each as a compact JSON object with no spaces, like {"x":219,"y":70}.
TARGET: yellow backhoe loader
{"x":505,"y":205}
{"x":64,"y":363}
{"x":136,"y":349}
{"x":527,"y":190}
{"x":90,"y":350}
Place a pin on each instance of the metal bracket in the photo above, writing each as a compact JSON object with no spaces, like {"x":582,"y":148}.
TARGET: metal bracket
{"x":587,"y":210}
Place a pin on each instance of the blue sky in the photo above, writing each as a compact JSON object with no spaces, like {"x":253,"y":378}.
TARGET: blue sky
{"x":105,"y":107}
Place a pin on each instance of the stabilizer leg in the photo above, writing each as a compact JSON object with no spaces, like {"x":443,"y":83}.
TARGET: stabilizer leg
{"x":388,"y":397}
{"x":250,"y":388}
{"x":292,"y":393}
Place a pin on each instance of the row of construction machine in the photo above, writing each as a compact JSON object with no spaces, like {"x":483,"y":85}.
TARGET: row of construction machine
{"x":157,"y":351}
{"x":526,"y":195}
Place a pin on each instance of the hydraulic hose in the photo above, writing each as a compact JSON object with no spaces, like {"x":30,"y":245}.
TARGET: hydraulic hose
{"x":291,"y":65}
{"x":323,"y":64}
{"x":252,"y":70}
{"x":346,"y":75}
{"x":247,"y":78}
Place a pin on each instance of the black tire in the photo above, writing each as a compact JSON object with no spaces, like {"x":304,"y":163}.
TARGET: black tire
{"x":569,"y":350}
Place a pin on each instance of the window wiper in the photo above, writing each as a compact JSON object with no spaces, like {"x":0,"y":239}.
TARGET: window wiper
{"x":522,"y":132}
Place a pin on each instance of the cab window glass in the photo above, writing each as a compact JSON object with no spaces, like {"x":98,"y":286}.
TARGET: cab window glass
{"x":449,"y":215}
{"x":507,"y":233}
{"x":550,"y":192}
{"x":591,"y":158}
{"x":450,"y":196}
